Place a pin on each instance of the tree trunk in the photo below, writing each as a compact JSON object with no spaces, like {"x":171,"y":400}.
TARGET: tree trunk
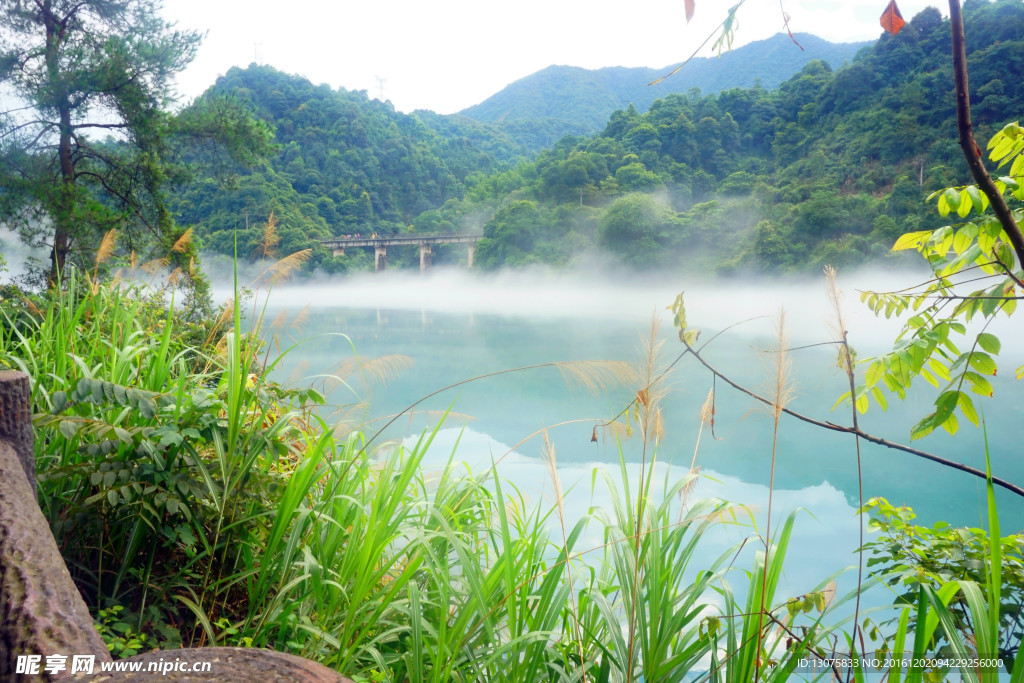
{"x":63,"y":218}
{"x":66,"y":206}
{"x":972,"y":152}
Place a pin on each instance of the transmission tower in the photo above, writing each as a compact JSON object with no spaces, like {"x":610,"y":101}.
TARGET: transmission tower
{"x":380,"y":87}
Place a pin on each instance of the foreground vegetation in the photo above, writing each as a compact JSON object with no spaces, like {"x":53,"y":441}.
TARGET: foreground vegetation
{"x":198,"y":502}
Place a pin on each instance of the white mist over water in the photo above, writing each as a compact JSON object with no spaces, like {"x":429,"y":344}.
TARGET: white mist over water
{"x":17,"y":255}
{"x":456,"y":324}
{"x":621,"y":296}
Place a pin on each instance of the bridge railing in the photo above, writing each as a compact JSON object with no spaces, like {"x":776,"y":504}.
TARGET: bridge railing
{"x":394,"y":240}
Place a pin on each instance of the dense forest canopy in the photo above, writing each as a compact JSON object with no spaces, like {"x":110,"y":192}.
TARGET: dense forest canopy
{"x":346,"y":164}
{"x":830,"y":167}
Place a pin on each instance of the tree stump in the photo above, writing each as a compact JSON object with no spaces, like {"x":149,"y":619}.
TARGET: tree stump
{"x":41,"y":610}
{"x":16,"y":420}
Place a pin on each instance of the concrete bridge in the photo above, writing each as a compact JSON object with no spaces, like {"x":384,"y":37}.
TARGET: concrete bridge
{"x":380,"y":244}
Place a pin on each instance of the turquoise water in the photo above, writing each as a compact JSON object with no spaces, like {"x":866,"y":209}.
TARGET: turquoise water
{"x":454,"y":325}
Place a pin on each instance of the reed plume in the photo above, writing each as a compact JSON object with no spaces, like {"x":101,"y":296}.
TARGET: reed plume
{"x":301,"y":318}
{"x":704,"y":417}
{"x":647,"y":412}
{"x":266,"y":245}
{"x":106,"y":247}
{"x":279,"y":321}
{"x":154,"y":266}
{"x":596,"y":376}
{"x":781,"y":393}
{"x":548,"y":456}
{"x":103,"y":254}
{"x":846,"y":362}
{"x":181,"y":245}
{"x":371,"y":371}
{"x":282,"y":269}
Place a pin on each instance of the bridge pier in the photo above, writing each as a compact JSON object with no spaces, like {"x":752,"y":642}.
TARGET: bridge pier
{"x":380,"y":243}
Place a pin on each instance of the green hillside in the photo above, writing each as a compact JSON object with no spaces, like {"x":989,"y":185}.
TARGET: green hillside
{"x":828,"y":168}
{"x":574,"y":101}
{"x":344,"y":164}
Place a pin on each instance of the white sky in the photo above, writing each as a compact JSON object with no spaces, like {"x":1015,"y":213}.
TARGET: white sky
{"x":446,"y":55}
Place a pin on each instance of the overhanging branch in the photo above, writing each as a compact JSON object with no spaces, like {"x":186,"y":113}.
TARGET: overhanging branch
{"x":856,"y":431}
{"x":971,"y":150}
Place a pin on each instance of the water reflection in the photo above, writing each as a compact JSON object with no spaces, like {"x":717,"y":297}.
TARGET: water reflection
{"x":455,"y":327}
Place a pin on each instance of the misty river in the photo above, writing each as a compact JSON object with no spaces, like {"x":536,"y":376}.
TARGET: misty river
{"x":454,"y":325}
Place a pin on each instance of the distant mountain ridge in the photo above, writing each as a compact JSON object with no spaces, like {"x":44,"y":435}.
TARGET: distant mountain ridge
{"x":573,"y":100}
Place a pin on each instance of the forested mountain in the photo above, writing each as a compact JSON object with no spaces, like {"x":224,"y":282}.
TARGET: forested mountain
{"x":828,"y":168}
{"x":568,"y":100}
{"x":345,"y":164}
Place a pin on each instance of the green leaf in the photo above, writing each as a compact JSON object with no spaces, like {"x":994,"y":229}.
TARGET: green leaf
{"x":952,"y":198}
{"x":96,"y":389}
{"x":951,"y":425}
{"x":875,"y":372}
{"x":945,"y":404}
{"x":939,"y":368}
{"x":845,"y":396}
{"x":983,"y":363}
{"x":961,"y":241}
{"x":68,"y":428}
{"x":58,"y":399}
{"x":979,"y":385}
{"x":1017,"y":168}
{"x":989,"y":342}
{"x":965,"y":204}
{"x":967,"y":408}
{"x":923,"y":428}
{"x":147,"y":407}
{"x":979,"y":198}
{"x":901,"y":367}
{"x":911,"y":240}
{"x":880,"y":398}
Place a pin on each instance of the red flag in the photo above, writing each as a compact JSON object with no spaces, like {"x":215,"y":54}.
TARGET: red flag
{"x":892,"y":20}
{"x":689,"y":9}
